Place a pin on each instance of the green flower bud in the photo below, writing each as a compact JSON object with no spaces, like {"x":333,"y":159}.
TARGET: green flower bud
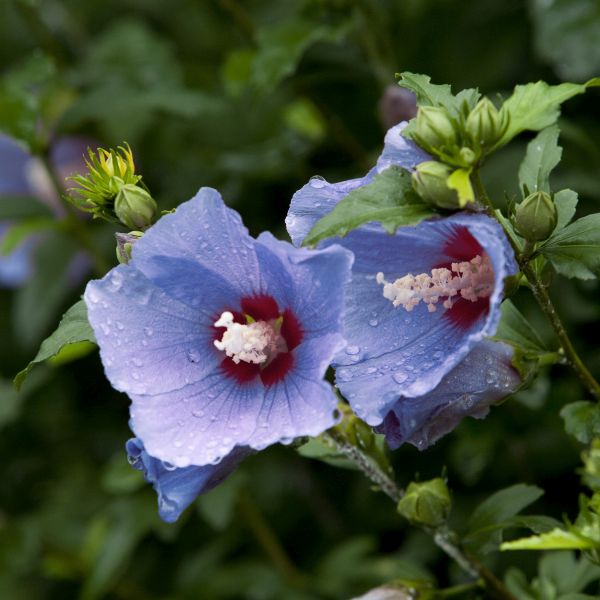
{"x":135,"y":207}
{"x":485,"y":124}
{"x":125,"y":243}
{"x":430,"y":182}
{"x":434,"y":128}
{"x":535,"y":218}
{"x":426,"y":503}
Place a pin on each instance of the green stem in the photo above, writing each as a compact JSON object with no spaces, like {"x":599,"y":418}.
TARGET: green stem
{"x":480,"y":192}
{"x":267,"y":539}
{"x":367,"y":465}
{"x":71,"y":222}
{"x":443,"y":537}
{"x":540,"y":293}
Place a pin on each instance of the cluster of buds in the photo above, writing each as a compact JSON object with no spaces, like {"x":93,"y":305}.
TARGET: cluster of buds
{"x":459,"y":140}
{"x":111,"y":190}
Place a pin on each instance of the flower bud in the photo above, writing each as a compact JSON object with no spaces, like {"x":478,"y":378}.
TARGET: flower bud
{"x":430,"y":182}
{"x":434,"y":128}
{"x":535,"y":218}
{"x":426,"y":503}
{"x":485,"y":124}
{"x":125,"y":243}
{"x":135,"y":207}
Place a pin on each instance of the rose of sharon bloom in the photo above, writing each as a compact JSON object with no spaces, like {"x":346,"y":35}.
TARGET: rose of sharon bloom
{"x":221,"y":341}
{"x":418,"y":309}
{"x":177,"y":488}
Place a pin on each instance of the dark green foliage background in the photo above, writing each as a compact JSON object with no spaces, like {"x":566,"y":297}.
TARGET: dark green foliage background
{"x":254,"y":97}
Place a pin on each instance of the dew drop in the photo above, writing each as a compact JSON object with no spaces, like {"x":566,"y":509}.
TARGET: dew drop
{"x":352,"y":350}
{"x":399,"y":377}
{"x":317,"y":182}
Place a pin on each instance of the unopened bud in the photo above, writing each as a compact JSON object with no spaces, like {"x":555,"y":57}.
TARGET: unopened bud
{"x":434,"y":128}
{"x":485,"y":124}
{"x":135,"y":207}
{"x":535,"y":218}
{"x":125,"y":243}
{"x":426,"y":503}
{"x":430,"y":182}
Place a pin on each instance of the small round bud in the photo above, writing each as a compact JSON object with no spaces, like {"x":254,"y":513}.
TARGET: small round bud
{"x":125,"y":243}
{"x":535,"y":218}
{"x":135,"y":207}
{"x":429,"y":181}
{"x":434,"y":128}
{"x":485,"y":124}
{"x":426,"y":503}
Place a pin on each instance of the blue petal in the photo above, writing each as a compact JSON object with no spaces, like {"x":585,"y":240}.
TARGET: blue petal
{"x":201,"y":423}
{"x":149,"y":342}
{"x":399,"y":151}
{"x":391,"y":352}
{"x":202,"y":230}
{"x":309,"y":282}
{"x":178,"y":488}
{"x":484,"y":377}
{"x":318,"y":197}
{"x":313,"y":201}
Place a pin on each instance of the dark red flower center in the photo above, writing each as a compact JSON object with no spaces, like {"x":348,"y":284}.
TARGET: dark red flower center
{"x":462,"y":246}
{"x":264,"y":308}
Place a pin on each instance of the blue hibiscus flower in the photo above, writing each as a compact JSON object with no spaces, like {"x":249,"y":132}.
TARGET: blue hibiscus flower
{"x":418,"y":309}
{"x":221,"y":341}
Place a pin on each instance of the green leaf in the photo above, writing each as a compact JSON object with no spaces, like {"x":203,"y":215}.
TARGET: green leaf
{"x":566,"y":203}
{"x":73,"y":328}
{"x":484,"y":533}
{"x":318,"y":449}
{"x":537,"y":105}
{"x":17,"y":233}
{"x":543,"y":154}
{"x":22,"y":91}
{"x":582,"y":420}
{"x":566,"y":33}
{"x":430,"y":94}
{"x":461,"y":182}
{"x":388,"y":199}
{"x":557,"y":539}
{"x":281,"y":46}
{"x":574,"y":251}
{"x":515,"y":329}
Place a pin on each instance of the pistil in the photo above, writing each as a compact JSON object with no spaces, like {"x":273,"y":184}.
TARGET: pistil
{"x":470,"y":280}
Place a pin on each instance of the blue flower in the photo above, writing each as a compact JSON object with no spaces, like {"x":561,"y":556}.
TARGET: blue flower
{"x":177,"y":488}
{"x":221,"y":341}
{"x":419,"y":303}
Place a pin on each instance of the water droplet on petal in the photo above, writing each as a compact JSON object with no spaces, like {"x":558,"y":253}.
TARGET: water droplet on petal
{"x":399,"y":377}
{"x":352,"y":350}
{"x":317,"y":182}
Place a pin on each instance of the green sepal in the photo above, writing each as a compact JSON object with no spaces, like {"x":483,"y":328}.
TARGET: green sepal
{"x":460,"y":180}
